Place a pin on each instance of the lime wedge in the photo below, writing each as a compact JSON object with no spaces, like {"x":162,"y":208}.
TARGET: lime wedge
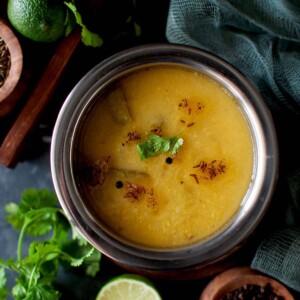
{"x":128,"y":287}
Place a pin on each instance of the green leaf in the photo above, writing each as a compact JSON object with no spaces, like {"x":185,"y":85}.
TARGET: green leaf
{"x":41,"y":252}
{"x":35,"y":199}
{"x":91,"y":264}
{"x":19,"y":290}
{"x":88,"y":38}
{"x":91,"y":257}
{"x":3,"y":289}
{"x":70,"y":23}
{"x":61,"y":229}
{"x":42,"y":292}
{"x":14,"y":216}
{"x":77,"y":236}
{"x":32,"y":200}
{"x":156,"y":144}
{"x":175,"y":143}
{"x":38,"y":215}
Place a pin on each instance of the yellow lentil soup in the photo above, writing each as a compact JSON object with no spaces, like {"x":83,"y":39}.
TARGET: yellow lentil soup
{"x":171,"y":198}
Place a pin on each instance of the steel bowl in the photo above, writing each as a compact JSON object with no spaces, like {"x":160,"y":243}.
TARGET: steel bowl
{"x":203,"y":258}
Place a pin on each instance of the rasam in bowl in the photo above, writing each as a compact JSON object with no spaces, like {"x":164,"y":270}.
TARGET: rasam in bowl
{"x":165,"y":159}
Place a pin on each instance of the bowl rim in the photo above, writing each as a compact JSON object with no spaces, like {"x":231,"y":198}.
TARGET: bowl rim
{"x":63,"y":141}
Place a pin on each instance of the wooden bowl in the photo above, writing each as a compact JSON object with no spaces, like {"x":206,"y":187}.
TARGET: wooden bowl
{"x":16,"y":58}
{"x":236,"y":278}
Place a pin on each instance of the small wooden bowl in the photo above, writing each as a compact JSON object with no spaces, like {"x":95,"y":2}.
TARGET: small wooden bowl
{"x":236,"y":278}
{"x":16,"y":57}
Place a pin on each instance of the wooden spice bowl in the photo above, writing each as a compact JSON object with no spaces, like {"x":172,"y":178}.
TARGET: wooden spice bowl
{"x":238,"y":277}
{"x":16,"y":60}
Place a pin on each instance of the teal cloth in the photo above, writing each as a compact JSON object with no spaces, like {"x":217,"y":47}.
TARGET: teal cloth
{"x":261,"y":38}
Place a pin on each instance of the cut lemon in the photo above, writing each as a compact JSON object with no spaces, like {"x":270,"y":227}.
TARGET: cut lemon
{"x":128,"y":287}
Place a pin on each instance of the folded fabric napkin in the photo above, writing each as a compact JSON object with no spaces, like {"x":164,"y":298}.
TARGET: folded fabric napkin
{"x":262,"y":40}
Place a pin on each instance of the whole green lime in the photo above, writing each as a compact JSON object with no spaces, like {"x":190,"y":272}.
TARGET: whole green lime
{"x":38,"y":20}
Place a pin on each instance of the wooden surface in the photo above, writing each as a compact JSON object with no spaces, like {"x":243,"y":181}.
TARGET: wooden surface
{"x":37,"y":100}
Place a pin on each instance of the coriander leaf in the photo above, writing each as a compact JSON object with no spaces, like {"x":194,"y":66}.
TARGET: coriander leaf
{"x":77,"y":236}
{"x":3,"y":289}
{"x":41,"y":252}
{"x":91,"y":264}
{"x":156,"y":144}
{"x":14,"y":216}
{"x":88,"y":38}
{"x":31,"y":200}
{"x":70,"y":22}
{"x":35,"y":199}
{"x":42,"y":292}
{"x":38,"y":215}
{"x":175,"y":143}
{"x":61,"y":229}
{"x":19,"y":291}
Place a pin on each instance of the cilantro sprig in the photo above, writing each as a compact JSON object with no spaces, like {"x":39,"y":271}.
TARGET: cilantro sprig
{"x":58,"y":244}
{"x":156,"y":144}
{"x":88,"y":38}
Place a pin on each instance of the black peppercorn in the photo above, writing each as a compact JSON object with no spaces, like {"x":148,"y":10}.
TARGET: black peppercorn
{"x":169,"y":160}
{"x":119,"y":184}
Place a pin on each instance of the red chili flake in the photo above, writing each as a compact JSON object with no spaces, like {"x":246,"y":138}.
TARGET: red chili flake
{"x":195,"y":177}
{"x":133,"y":136}
{"x":183,"y":103}
{"x":211,"y":169}
{"x":182,"y":121}
{"x":202,"y":166}
{"x":222,"y":167}
{"x":152,"y":203}
{"x":190,"y":124}
{"x":134,"y":191}
{"x":212,"y":172}
{"x":157,"y":131}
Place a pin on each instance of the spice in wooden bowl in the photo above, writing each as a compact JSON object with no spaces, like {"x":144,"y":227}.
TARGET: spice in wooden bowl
{"x":11,"y":60}
{"x":5,"y":61}
{"x":245,"y":283}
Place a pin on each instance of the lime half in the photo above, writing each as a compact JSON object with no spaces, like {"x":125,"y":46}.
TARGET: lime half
{"x":128,"y":287}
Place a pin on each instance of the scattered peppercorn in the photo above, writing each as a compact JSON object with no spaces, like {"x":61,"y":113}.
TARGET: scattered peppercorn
{"x":169,"y":160}
{"x":119,"y":184}
{"x":252,"y":292}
